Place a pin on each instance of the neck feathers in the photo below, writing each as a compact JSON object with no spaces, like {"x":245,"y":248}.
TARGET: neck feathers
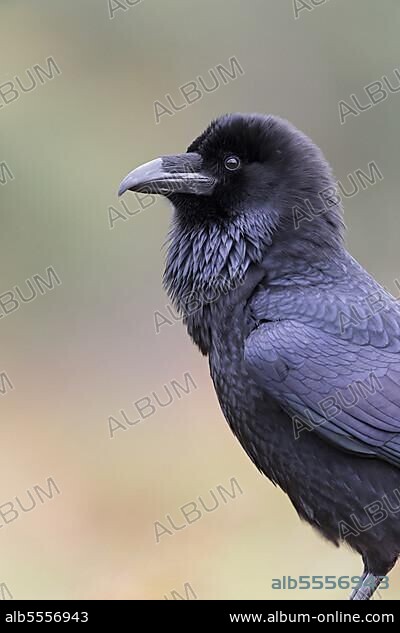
{"x":211,"y":258}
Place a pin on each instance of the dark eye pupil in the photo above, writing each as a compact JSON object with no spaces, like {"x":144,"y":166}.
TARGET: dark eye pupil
{"x":232,"y":163}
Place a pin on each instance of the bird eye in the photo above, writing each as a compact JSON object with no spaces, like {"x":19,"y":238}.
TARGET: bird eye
{"x":232,"y":163}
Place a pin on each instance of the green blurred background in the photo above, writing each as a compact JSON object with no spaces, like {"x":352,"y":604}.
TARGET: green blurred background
{"x":88,"y":348}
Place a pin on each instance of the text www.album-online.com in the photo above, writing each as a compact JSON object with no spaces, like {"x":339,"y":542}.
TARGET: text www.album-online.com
{"x":337,"y":617}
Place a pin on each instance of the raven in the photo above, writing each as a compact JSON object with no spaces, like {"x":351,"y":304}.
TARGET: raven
{"x":303,"y":344}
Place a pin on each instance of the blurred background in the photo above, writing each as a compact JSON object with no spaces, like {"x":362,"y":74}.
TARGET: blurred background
{"x":99,"y":344}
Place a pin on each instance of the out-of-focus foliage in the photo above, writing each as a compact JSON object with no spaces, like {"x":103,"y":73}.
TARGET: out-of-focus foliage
{"x":88,"y":348}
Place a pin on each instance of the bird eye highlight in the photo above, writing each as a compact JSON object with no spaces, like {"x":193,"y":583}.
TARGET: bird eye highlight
{"x":232,"y":163}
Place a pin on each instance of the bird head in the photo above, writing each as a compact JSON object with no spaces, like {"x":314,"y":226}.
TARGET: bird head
{"x":249,"y":186}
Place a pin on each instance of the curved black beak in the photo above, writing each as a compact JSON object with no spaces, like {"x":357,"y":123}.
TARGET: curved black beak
{"x":182,"y":173}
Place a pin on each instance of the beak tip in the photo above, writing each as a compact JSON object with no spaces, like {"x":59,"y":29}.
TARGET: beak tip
{"x":122,"y":188}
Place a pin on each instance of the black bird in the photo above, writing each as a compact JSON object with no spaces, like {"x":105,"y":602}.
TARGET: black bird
{"x":303,"y":344}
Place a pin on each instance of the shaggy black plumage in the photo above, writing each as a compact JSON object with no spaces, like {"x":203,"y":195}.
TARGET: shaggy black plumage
{"x":303,"y":344}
